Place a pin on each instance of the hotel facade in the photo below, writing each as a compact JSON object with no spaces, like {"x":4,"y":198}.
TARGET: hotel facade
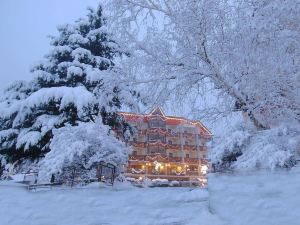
{"x":167,"y":147}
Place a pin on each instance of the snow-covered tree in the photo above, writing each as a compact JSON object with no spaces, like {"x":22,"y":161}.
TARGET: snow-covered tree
{"x":246,"y":48}
{"x":246,"y":51}
{"x":81,"y":148}
{"x":77,"y":82}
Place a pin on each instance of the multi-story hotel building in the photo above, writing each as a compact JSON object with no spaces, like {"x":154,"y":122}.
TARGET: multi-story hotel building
{"x":167,"y":147}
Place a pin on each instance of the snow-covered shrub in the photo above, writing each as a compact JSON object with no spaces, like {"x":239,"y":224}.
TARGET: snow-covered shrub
{"x":174,"y":183}
{"x":160,"y":182}
{"x":229,"y":147}
{"x":271,"y":148}
{"x":80,"y":147}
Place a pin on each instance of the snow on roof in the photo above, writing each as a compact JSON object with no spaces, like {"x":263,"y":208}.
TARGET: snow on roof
{"x":170,"y":120}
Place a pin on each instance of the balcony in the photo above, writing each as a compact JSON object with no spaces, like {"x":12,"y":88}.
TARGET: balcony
{"x":157,"y":123}
{"x":165,"y":158}
{"x":144,"y":144}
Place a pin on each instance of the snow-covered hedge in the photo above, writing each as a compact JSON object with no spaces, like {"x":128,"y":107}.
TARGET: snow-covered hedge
{"x":246,"y":149}
{"x":80,"y":147}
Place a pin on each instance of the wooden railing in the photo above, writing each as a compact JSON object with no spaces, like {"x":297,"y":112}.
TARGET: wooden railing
{"x":144,"y":144}
{"x":167,"y":159}
{"x":171,"y":134}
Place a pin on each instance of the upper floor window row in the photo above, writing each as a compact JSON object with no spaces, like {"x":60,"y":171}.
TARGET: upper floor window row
{"x":157,"y":123}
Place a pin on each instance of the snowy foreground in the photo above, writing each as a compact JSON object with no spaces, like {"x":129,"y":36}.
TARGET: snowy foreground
{"x":258,"y":198}
{"x":96,"y":205}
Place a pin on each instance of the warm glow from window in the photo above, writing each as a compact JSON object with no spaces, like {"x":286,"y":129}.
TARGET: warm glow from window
{"x":204,"y":169}
{"x":157,"y":165}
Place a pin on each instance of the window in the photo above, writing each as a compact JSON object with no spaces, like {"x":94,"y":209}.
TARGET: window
{"x":187,"y":155}
{"x":156,"y":122}
{"x":170,"y":154}
{"x":134,"y":140}
{"x":156,"y":137}
{"x":153,"y":137}
{"x":186,"y":143}
{"x":153,"y":149}
{"x":134,"y":153}
{"x":156,"y":150}
{"x":169,"y":142}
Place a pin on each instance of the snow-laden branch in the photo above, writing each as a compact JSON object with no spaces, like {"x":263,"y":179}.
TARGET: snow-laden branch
{"x":237,"y":45}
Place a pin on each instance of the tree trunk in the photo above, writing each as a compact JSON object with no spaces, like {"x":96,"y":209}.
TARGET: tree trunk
{"x":229,"y":89}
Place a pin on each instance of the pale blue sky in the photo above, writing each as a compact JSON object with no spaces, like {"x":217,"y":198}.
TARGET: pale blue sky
{"x":24,"y":26}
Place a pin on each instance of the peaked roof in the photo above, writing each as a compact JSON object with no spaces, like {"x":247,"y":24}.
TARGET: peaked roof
{"x":157,"y":111}
{"x":170,"y":120}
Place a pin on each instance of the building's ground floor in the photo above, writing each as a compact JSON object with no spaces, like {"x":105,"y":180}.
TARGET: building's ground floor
{"x":169,"y":168}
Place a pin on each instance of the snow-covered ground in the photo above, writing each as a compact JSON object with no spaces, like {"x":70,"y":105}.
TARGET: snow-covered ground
{"x":257,"y":198}
{"x":94,"y":205}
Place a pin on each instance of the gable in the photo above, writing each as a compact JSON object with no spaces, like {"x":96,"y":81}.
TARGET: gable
{"x":157,"y":112}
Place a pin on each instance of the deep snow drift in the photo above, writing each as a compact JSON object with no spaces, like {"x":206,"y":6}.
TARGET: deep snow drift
{"x":96,"y":205}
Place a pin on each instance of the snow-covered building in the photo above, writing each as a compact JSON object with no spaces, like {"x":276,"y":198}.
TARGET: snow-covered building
{"x":168,"y":147}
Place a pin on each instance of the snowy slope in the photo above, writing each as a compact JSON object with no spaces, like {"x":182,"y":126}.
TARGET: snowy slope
{"x":104,"y":206}
{"x":258,"y":198}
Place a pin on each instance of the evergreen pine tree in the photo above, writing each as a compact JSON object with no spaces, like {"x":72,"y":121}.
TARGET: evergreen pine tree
{"x":77,"y":82}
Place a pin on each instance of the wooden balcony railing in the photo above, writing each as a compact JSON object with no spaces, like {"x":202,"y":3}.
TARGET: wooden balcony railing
{"x":166,"y":159}
{"x":171,"y":133}
{"x":166,"y":145}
